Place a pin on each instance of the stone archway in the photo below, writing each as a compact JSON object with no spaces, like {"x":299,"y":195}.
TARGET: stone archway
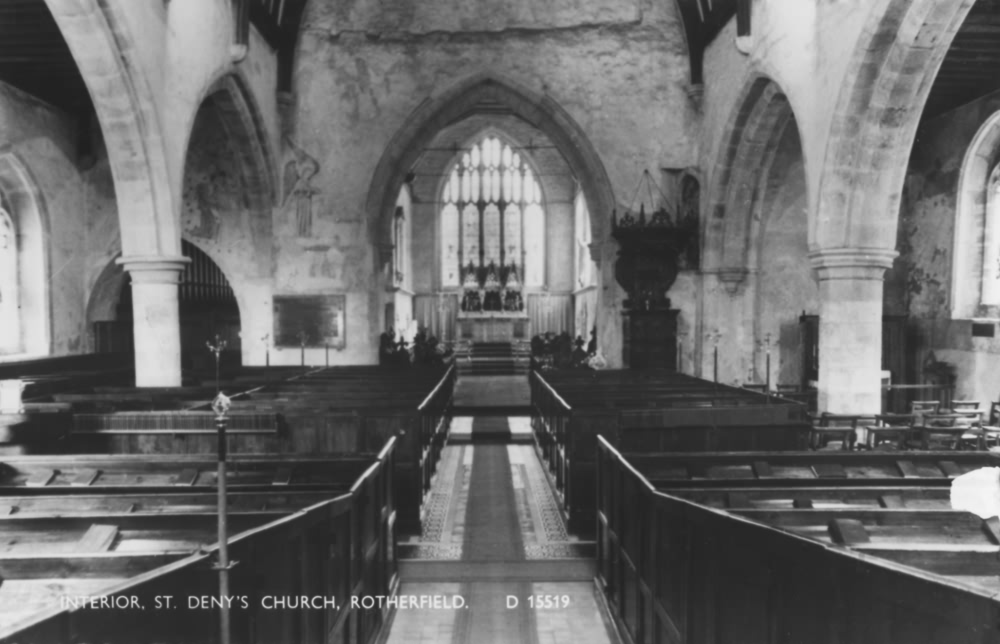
{"x":103,"y":48}
{"x":762,"y":113}
{"x":464,"y":99}
{"x":487,"y":93}
{"x":244,"y":126}
{"x":853,"y":231}
{"x":732,"y":313}
{"x":229,"y":189}
{"x":875,"y":121}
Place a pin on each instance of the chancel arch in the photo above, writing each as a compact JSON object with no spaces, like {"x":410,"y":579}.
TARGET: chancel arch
{"x":486,"y":94}
{"x":493,"y":230}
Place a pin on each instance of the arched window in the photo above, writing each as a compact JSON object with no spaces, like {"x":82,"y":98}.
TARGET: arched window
{"x":10,"y":283}
{"x":492,"y":225}
{"x":975,"y":271}
{"x":991,"y":241}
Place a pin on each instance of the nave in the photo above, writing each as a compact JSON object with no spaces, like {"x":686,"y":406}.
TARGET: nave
{"x":493,"y":535}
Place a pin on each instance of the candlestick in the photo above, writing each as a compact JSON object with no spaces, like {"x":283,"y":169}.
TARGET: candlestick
{"x":715,"y":336}
{"x":216,"y":348}
{"x":767,"y":375}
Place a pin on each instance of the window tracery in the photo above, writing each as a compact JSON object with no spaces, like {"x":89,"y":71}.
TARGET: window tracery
{"x":492,"y":228}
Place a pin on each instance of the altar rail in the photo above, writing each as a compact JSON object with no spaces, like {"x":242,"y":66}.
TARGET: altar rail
{"x":341,"y":547}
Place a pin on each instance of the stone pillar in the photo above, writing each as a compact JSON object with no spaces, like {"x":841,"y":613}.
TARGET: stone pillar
{"x":608,"y":316}
{"x":850,"y":328}
{"x":156,"y":314}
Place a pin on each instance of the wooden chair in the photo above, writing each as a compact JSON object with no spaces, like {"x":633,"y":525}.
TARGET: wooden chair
{"x":994,"y":416}
{"x":925,"y":406}
{"x":991,"y":429}
{"x":965,"y":405}
{"x":958,"y":429}
{"x":827,"y":426}
{"x":888,"y":427}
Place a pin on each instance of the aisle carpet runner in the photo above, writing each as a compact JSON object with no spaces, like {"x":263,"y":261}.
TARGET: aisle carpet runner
{"x":491,"y":503}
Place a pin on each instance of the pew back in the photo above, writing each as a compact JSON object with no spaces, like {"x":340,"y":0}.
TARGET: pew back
{"x":790,"y":561}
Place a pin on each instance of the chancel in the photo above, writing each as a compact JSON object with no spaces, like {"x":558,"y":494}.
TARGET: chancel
{"x":631,"y":321}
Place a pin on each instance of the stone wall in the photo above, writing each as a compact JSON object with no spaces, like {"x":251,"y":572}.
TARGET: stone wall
{"x":619,"y":70}
{"x":921,"y":282}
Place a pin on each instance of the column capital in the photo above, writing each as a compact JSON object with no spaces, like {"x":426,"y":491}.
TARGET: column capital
{"x":154,"y":269}
{"x":852,"y":263}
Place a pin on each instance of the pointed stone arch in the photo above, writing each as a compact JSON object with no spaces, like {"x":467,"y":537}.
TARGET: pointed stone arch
{"x":231,"y":96}
{"x":759,"y":119}
{"x":875,"y":120}
{"x":123,"y":100}
{"x":477,"y":94}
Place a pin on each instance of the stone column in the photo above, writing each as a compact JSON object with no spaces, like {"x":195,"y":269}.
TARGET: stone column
{"x":850,"y":328}
{"x":156,"y":314}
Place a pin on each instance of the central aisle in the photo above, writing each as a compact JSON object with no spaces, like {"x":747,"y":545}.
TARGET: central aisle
{"x":493,"y":536}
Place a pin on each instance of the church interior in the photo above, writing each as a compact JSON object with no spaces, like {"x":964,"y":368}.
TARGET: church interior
{"x":624,"y":321}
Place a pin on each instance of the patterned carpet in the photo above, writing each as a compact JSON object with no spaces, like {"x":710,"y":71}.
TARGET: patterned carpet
{"x":447,"y":512}
{"x":493,"y":531}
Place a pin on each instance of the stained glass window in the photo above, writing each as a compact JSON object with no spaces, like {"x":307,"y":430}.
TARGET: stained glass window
{"x":492,"y":219}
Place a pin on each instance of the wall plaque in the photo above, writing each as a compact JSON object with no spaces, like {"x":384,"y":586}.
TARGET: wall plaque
{"x":310,"y":320}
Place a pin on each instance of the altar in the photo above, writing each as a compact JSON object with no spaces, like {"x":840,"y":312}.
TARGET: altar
{"x":493,"y":326}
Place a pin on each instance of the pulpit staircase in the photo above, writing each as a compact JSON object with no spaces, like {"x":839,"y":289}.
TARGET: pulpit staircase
{"x":493,"y":359}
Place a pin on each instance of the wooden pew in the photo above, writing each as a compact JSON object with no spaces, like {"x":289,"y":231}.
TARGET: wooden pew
{"x":340,"y":410}
{"x":339,"y":546}
{"x":89,"y":474}
{"x":92,"y":505}
{"x":647,"y":410}
{"x":876,"y":556}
